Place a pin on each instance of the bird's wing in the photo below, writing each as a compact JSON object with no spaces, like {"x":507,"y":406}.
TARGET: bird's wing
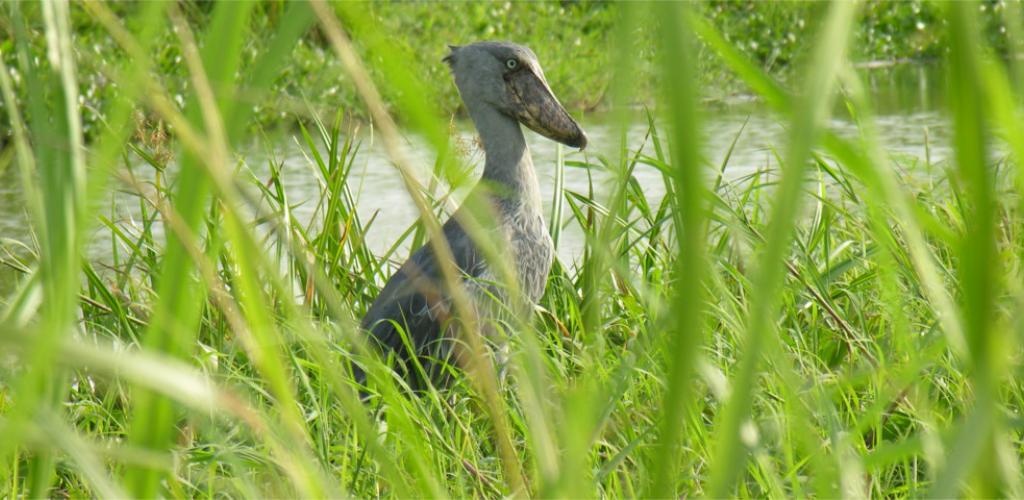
{"x":415,"y":297}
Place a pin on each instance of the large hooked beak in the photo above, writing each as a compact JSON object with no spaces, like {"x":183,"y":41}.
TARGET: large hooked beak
{"x":536,"y":107}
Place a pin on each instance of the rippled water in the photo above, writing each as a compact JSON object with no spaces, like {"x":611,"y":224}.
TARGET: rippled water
{"x":380,"y":191}
{"x":907,"y":121}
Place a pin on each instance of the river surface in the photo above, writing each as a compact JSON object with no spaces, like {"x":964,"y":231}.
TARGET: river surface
{"x":909,"y":122}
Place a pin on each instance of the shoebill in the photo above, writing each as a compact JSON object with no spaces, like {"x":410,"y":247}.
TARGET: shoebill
{"x":502,"y":86}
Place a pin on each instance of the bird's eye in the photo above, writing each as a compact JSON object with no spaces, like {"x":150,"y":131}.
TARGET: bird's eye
{"x":511,"y":64}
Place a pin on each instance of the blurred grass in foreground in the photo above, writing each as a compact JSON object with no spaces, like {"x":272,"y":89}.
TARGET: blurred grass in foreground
{"x":835,"y":328}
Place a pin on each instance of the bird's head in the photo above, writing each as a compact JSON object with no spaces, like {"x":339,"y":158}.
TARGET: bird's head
{"x":508,"y":77}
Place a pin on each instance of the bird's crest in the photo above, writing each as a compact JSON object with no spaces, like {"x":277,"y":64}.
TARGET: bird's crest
{"x":450,"y":58}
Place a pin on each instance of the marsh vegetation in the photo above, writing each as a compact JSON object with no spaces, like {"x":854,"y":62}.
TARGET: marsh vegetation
{"x":826,"y":313}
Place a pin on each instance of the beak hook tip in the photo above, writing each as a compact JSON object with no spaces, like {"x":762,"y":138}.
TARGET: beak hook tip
{"x":581,"y":143}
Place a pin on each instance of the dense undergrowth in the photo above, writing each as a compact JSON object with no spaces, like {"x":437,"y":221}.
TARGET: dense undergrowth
{"x":774,"y":34}
{"x":847,"y":324}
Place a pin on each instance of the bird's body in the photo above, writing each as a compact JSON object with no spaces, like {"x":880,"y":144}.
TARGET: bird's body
{"x":501,"y":85}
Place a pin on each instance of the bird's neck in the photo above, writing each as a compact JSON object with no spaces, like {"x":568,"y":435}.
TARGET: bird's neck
{"x":508,"y":168}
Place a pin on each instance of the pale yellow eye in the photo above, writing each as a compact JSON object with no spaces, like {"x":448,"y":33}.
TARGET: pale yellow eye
{"x":511,"y":64}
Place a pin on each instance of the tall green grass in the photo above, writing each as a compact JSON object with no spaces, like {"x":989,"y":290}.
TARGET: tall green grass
{"x":835,"y":327}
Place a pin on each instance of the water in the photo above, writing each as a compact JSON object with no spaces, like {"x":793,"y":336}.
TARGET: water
{"x":907,"y":99}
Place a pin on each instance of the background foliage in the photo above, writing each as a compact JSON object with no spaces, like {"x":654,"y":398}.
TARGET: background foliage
{"x":772,"y":33}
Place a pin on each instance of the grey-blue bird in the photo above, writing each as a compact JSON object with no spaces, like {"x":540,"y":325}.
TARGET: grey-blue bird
{"x":502,"y":86}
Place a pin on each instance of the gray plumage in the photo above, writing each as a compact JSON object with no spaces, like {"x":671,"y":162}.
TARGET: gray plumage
{"x":501,"y":85}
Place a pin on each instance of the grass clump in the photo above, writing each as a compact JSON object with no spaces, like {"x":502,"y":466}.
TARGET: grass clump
{"x":838,"y":326}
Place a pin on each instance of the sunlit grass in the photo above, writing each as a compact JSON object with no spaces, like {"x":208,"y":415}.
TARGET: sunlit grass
{"x":832,"y":328}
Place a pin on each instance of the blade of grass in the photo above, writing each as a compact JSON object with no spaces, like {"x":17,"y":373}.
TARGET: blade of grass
{"x":254,"y":305}
{"x":175,"y":319}
{"x":978,"y":269}
{"x":583,"y":410}
{"x":59,"y":158}
{"x":729,"y":457}
{"x":557,"y":205}
{"x":686,"y":323}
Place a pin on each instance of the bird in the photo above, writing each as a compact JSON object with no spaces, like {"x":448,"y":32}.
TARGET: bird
{"x":502,"y":86}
